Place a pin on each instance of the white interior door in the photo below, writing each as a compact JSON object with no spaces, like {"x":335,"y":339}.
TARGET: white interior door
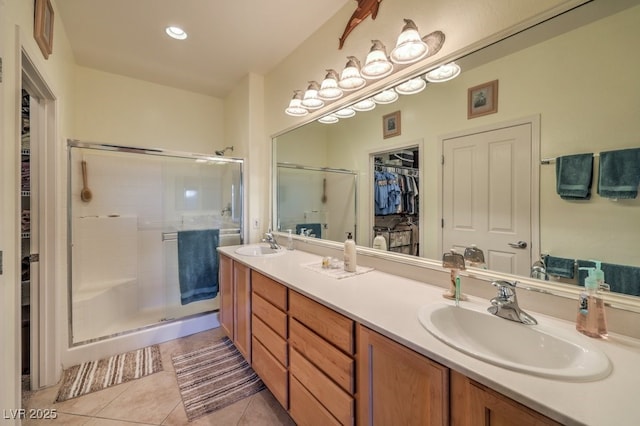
{"x":486,"y":196}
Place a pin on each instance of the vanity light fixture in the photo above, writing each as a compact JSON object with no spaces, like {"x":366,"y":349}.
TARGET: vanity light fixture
{"x":443,"y":73}
{"x":377,"y":65}
{"x":386,"y":97}
{"x":364,"y":105}
{"x":409,"y":47}
{"x":345,"y":113}
{"x":350,"y":79}
{"x":310,"y":99}
{"x":176,"y":32}
{"x":411,"y":87}
{"x":329,"y":89}
{"x":328,"y":119}
{"x":295,"y":107}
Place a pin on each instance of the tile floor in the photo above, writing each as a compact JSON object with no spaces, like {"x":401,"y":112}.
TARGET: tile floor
{"x":155,"y":399}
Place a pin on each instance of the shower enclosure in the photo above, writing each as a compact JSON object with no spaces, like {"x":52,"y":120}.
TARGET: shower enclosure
{"x":126,"y":207}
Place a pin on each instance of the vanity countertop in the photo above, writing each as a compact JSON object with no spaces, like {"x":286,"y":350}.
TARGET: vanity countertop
{"x":389,"y":304}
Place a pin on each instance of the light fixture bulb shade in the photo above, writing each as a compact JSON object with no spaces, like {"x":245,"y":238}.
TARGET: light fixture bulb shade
{"x":350,"y":79}
{"x":377,"y":65}
{"x":310,"y":99}
{"x":364,"y":105}
{"x":329,"y":89}
{"x":411,"y":87}
{"x":409,"y":47}
{"x":295,"y":108}
{"x":345,"y":113}
{"x":386,"y":97}
{"x":328,"y":119}
{"x":443,"y":73}
{"x":176,"y":32}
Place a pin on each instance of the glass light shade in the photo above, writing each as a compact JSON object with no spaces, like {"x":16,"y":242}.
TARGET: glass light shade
{"x":409,"y":47}
{"x":411,"y":87}
{"x":345,"y":113}
{"x":295,"y":107}
{"x":311,"y":99}
{"x":176,"y":32}
{"x":364,"y":105}
{"x":350,"y":79}
{"x":386,"y":97}
{"x":443,"y":73}
{"x":329,"y":89}
{"x":376,"y":65}
{"x":328,"y":119}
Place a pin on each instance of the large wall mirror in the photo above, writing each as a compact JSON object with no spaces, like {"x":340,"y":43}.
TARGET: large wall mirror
{"x":572,"y":80}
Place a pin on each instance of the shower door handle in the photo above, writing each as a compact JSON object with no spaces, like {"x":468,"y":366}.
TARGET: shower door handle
{"x":519,"y":245}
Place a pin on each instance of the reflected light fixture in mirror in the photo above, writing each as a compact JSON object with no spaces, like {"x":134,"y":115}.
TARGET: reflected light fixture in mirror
{"x":329,"y":89}
{"x":364,"y":105}
{"x":412,"y":86}
{"x":328,"y":119}
{"x":345,"y":113}
{"x":386,"y":97}
{"x":295,"y":107}
{"x":409,"y":47}
{"x":443,"y":73}
{"x":350,"y":79}
{"x":310,"y":99}
{"x":376,"y":65}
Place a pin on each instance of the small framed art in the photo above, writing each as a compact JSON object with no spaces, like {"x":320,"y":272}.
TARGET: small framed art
{"x":43,"y":26}
{"x":482,"y":99}
{"x":391,"y":125}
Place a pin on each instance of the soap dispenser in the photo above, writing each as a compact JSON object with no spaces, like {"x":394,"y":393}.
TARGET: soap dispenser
{"x":349,"y":254}
{"x":379,"y":242}
{"x":591,"y":318}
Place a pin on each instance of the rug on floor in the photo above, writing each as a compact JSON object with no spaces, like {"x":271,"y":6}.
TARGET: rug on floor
{"x":97,"y":375}
{"x":214,"y":377}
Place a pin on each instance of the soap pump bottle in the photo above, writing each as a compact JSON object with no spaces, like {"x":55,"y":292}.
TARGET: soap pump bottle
{"x":349,"y":254}
{"x":598,"y":274}
{"x":290,"y":239}
{"x":591,"y":319}
{"x":379,"y":242}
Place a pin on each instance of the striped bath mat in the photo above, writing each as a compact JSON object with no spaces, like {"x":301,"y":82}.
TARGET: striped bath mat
{"x":97,"y":375}
{"x":214,"y":377}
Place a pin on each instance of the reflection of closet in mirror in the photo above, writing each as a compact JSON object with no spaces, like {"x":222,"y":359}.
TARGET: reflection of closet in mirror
{"x":395,"y":199}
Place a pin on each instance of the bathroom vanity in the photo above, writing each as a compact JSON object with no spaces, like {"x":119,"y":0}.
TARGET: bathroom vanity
{"x":352,"y":351}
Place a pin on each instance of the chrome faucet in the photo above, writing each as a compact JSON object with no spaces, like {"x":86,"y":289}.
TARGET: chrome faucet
{"x":505,"y":304}
{"x":271,"y":239}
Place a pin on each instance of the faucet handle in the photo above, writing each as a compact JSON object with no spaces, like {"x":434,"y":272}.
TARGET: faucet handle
{"x":506,"y":289}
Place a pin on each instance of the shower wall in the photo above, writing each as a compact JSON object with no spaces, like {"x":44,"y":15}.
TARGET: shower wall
{"x":123,"y":242}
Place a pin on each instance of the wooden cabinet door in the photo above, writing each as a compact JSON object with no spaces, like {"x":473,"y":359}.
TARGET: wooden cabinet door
{"x":397,"y":386}
{"x":225,"y":279}
{"x":474,"y":404}
{"x":242,"y":308}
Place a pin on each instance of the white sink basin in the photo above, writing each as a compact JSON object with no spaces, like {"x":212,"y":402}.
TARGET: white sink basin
{"x":259,"y":250}
{"x":534,"y":349}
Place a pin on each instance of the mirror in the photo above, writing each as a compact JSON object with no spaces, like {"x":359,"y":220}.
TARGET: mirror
{"x":576,"y":73}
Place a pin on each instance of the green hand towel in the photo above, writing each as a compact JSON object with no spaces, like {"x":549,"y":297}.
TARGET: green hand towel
{"x":619,"y":174}
{"x":573,"y":176}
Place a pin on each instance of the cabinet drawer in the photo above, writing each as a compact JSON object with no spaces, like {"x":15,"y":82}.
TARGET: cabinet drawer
{"x":326,"y":357}
{"x":329,"y":324}
{"x":272,"y":373}
{"x":339,"y":403}
{"x":270,"y":290}
{"x":269,"y":314}
{"x":305,"y":409}
{"x":270,"y":339}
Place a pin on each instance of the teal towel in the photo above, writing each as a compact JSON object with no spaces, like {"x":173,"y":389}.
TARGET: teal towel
{"x":315,"y":228}
{"x":573,"y":176}
{"x":623,"y":279}
{"x":619,"y":174}
{"x":198,"y":264}
{"x":559,"y":266}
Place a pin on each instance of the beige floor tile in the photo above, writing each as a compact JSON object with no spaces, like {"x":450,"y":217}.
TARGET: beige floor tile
{"x":227,"y":416}
{"x":61,"y":419}
{"x":148,"y":400}
{"x":96,"y":421}
{"x":92,"y":403}
{"x":264,"y":409}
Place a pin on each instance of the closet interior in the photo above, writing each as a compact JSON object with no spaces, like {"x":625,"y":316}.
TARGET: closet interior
{"x":396,"y":206}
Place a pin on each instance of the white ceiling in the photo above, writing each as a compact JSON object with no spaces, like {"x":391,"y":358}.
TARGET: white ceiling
{"x":227,"y":38}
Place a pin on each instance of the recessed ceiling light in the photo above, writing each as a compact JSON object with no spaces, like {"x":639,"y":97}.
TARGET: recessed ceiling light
{"x":176,"y":32}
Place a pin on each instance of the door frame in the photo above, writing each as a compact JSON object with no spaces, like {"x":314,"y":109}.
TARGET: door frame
{"x":534,"y":121}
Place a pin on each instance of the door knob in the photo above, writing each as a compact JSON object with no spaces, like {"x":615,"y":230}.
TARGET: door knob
{"x":519,"y":245}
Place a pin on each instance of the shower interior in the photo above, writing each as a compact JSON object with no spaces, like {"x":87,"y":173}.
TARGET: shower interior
{"x":123,"y":249}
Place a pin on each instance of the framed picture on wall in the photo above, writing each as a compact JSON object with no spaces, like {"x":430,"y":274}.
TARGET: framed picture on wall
{"x":391,"y":125}
{"x":482,"y":99}
{"x":43,"y":26}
